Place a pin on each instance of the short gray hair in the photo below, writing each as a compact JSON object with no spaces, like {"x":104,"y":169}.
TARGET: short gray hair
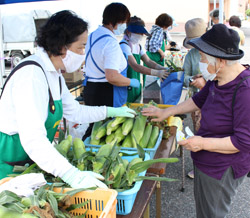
{"x":212,"y":60}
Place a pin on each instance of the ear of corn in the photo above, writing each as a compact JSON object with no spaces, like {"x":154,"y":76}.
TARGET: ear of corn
{"x":95,"y":141}
{"x":78,"y":148}
{"x":153,"y":137}
{"x":118,"y":120}
{"x":111,"y":129}
{"x":127,"y":142}
{"x":110,"y":138}
{"x":100,"y":159}
{"x":118,"y":135}
{"x":95,"y":128}
{"x":127,"y":126}
{"x":102,"y":130}
{"x":64,"y":146}
{"x":138,"y":129}
{"x":145,"y":138}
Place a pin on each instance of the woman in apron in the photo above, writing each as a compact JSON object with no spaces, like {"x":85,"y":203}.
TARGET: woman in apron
{"x":130,"y":45}
{"x":155,"y":43}
{"x":106,"y":79}
{"x":35,"y":98}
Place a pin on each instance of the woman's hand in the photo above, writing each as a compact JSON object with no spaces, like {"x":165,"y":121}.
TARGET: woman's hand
{"x":152,"y":111}
{"x":198,"y":83}
{"x":194,"y":143}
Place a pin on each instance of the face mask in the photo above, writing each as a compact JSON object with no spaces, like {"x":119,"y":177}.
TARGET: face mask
{"x":135,"y":38}
{"x":206,"y":75}
{"x":72,"y":61}
{"x":120,"y":28}
{"x":169,"y":28}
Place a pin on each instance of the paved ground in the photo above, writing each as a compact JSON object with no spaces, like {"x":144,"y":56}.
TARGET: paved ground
{"x":177,"y":204}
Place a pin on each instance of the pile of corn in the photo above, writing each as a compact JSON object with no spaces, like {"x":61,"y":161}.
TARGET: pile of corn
{"x":119,"y":173}
{"x":125,"y":132}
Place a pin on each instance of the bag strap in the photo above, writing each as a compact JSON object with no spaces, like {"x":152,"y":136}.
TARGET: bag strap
{"x":30,"y":62}
{"x":236,"y":89}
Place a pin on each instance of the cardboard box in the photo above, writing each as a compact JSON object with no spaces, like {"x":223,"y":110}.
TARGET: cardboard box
{"x":73,"y":77}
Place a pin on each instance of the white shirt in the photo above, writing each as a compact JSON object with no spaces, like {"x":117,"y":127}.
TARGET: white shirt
{"x":130,"y":49}
{"x":24,"y":110}
{"x":106,"y":53}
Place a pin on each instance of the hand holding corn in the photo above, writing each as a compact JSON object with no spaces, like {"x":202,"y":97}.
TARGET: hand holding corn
{"x":120,"y":112}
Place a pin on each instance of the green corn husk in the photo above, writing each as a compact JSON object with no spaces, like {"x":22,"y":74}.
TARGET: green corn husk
{"x":127,"y":126}
{"x":144,"y":165}
{"x":127,"y":142}
{"x":101,"y":157}
{"x":118,"y":120}
{"x":145,"y":138}
{"x":111,"y":129}
{"x":64,"y":146}
{"x":153,"y":137}
{"x":138,"y":129}
{"x":118,"y":136}
{"x":110,"y":138}
{"x":102,"y":130}
{"x":94,"y":130}
{"x":78,"y":148}
{"x":95,"y":141}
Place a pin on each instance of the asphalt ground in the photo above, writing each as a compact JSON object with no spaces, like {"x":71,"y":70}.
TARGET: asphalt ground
{"x":178,"y":204}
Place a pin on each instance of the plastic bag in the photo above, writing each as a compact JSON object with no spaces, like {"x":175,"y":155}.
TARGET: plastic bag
{"x":171,"y":88}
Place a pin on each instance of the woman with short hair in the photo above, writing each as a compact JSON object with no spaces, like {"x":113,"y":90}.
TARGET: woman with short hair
{"x":156,"y":42}
{"x":106,"y":79}
{"x":35,"y":98}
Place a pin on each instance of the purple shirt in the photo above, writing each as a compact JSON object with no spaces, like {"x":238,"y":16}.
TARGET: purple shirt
{"x":218,"y":122}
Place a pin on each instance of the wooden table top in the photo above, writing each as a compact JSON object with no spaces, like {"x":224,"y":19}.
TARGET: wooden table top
{"x":142,"y":199}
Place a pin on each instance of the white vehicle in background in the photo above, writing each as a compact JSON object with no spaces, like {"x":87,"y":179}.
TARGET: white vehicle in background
{"x":19,"y":33}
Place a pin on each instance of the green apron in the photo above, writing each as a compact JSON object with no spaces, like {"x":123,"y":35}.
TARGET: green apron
{"x":134,"y":93}
{"x":155,"y":56}
{"x":11,"y":150}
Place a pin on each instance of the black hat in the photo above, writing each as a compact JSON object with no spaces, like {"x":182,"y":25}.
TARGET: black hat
{"x":220,"y":42}
{"x":137,"y":28}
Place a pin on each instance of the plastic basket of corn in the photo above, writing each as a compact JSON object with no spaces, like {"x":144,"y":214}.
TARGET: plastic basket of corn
{"x":150,"y":151}
{"x":102,"y":202}
{"x":126,"y":199}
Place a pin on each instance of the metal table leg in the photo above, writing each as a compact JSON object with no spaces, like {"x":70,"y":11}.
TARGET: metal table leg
{"x":158,"y":200}
{"x":147,"y":212}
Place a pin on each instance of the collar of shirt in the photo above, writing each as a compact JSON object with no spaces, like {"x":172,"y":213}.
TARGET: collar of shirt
{"x":107,"y":31}
{"x":48,"y":65}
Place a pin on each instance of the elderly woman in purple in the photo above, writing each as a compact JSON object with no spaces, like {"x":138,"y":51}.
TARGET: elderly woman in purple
{"x":221,"y":148}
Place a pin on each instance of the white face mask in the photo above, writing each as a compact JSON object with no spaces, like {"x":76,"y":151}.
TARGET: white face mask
{"x":72,"y":61}
{"x":120,"y":28}
{"x":206,"y":75}
{"x":135,"y":38}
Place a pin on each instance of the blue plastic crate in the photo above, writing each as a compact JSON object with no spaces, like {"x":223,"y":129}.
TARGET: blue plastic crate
{"x":150,"y":151}
{"x":126,"y":199}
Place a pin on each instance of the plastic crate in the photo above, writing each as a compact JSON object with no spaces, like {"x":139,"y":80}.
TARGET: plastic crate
{"x":102,"y":203}
{"x":150,"y":151}
{"x":126,"y":199}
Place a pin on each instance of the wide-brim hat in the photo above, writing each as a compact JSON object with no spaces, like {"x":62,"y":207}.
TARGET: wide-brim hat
{"x":220,"y":42}
{"x":194,"y":28}
{"x":137,"y":28}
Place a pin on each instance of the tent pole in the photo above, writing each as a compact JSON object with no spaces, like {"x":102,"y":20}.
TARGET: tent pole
{"x":221,"y":11}
{"x":2,"y":63}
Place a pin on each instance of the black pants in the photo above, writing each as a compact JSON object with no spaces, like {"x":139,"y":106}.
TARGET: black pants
{"x":97,"y":94}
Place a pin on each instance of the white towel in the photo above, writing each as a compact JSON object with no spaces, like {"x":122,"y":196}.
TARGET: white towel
{"x":24,"y":185}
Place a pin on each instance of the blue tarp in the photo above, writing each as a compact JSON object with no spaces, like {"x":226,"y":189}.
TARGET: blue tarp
{"x":2,"y":2}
